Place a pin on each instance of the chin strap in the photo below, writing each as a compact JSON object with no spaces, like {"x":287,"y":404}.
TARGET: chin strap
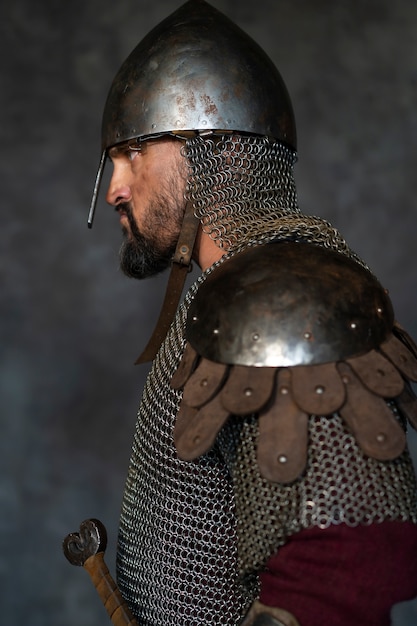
{"x":181,"y":263}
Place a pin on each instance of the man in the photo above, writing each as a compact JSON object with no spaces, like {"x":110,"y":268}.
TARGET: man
{"x":269,"y":481}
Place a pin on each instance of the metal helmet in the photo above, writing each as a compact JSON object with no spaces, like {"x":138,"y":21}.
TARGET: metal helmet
{"x":195,"y":71}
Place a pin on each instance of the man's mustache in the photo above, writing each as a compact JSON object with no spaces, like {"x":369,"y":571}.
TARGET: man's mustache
{"x":124,"y":207}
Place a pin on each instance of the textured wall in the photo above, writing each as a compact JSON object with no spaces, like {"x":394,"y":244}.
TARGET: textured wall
{"x":72,"y":325}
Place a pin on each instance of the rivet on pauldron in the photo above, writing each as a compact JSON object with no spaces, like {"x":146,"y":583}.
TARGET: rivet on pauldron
{"x":216,"y":331}
{"x":381,"y":438}
{"x":282,"y":458}
{"x":307,"y":335}
{"x":196,"y":439}
{"x":195,"y":318}
{"x":353,"y":325}
{"x":248,"y":391}
{"x":346,"y":380}
{"x":284,"y":391}
{"x":255,"y":336}
{"x":319,"y":389}
{"x":379,"y":310}
{"x":204,"y":382}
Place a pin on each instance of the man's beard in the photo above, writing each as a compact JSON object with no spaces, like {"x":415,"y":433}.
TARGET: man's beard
{"x":144,"y":256}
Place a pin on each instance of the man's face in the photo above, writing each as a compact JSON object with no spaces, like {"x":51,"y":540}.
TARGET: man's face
{"x":147,"y":189}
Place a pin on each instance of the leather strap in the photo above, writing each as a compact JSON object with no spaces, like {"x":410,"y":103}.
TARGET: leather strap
{"x":181,"y":263}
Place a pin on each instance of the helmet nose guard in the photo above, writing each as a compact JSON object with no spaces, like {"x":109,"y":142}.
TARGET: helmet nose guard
{"x":195,"y":71}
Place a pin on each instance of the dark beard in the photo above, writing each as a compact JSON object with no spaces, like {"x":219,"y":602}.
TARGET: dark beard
{"x":139,"y":256}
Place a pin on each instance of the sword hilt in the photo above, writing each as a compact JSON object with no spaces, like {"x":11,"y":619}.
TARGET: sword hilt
{"x":87,"y":548}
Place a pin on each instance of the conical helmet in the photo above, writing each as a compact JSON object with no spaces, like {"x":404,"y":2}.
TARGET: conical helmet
{"x":196,"y":71}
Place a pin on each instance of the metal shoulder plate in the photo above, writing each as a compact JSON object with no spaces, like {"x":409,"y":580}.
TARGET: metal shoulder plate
{"x":287,"y":331}
{"x":286,"y":304}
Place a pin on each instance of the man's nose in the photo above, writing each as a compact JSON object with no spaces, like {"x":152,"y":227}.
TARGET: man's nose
{"x":119,"y":190}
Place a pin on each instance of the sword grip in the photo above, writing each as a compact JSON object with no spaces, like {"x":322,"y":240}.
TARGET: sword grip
{"x":116,"y":607}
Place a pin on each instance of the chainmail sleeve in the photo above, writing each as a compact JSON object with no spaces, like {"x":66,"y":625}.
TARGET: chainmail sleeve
{"x":177,"y":553}
{"x":340,"y":485}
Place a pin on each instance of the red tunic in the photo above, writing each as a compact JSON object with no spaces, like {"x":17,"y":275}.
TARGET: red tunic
{"x":343,"y":576}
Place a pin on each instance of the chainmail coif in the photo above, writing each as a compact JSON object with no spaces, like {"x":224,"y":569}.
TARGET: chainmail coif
{"x":243,"y":191}
{"x":177,"y":557}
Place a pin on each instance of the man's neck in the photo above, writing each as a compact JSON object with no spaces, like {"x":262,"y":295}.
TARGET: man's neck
{"x":206,"y":251}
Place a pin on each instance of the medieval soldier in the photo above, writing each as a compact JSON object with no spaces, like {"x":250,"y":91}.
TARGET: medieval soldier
{"x":269,"y":481}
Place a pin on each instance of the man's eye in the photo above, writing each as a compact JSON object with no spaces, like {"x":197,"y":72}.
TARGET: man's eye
{"x":132,"y":153}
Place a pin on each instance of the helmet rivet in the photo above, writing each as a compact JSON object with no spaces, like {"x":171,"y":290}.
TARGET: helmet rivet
{"x":216,"y":331}
{"x":282,"y":458}
{"x":248,"y":391}
{"x":284,"y":391}
{"x":307,"y":335}
{"x":255,"y":336}
{"x":353,"y":325}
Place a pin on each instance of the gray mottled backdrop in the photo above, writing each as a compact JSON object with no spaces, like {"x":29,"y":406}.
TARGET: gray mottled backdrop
{"x":72,"y":325}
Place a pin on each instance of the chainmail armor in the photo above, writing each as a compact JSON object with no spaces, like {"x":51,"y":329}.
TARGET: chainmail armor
{"x":177,"y":556}
{"x":243,"y":191}
{"x":340,"y":485}
{"x":177,"y":548}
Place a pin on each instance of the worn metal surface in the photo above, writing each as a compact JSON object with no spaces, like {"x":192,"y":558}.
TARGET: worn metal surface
{"x":197,"y":70}
{"x":288,"y":304}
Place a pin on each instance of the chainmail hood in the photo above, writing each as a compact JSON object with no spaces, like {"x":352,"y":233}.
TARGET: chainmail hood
{"x":243,"y":191}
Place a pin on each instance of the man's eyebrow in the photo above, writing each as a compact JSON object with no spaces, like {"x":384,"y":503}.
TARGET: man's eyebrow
{"x":122,"y":148}
{"x":116,"y":150}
